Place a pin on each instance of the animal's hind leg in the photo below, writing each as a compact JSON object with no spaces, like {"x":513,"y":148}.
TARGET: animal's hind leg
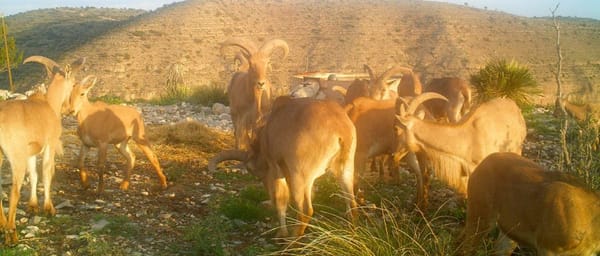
{"x":279,"y":194}
{"x":2,"y":216}
{"x":123,"y":147}
{"x":145,"y":147}
{"x":33,"y":179}
{"x":47,"y":175}
{"x":18,"y":172}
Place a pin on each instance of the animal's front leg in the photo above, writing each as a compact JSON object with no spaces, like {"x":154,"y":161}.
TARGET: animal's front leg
{"x":102,"y":148}
{"x":83,"y":175}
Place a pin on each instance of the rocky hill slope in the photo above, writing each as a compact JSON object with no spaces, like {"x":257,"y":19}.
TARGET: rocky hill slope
{"x":134,"y":56}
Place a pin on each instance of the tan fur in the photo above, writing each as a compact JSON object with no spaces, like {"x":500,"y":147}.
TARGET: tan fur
{"x":29,"y":128}
{"x":100,"y":125}
{"x":410,"y":84}
{"x":320,"y":89}
{"x":380,"y":88}
{"x":358,"y":88}
{"x":249,"y":90}
{"x":299,"y":141}
{"x":374,"y":120}
{"x":458,"y":93}
{"x":494,"y":126}
{"x":579,"y":112}
{"x":550,"y":212}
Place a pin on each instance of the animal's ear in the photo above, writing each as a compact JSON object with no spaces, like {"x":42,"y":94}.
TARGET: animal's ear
{"x":78,"y":64}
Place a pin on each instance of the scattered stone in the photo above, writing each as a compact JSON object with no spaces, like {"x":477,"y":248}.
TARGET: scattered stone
{"x":99,"y":225}
{"x":65,"y":204}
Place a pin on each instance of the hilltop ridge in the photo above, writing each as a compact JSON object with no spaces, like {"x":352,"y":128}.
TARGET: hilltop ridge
{"x":132,"y":57}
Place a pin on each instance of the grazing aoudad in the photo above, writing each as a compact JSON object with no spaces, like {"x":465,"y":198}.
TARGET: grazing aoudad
{"x":549,"y":211}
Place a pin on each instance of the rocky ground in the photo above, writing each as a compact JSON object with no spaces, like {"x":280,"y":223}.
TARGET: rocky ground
{"x":149,"y":221}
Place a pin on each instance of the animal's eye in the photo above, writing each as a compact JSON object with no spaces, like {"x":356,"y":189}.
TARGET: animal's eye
{"x":83,"y":94}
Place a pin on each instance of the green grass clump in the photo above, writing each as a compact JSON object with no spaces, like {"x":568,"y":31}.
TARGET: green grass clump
{"x":208,"y":236}
{"x":209,"y":95}
{"x":247,"y":205}
{"x":17,"y":251}
{"x":202,"y":95}
{"x":382,"y":231}
{"x":109,"y":99}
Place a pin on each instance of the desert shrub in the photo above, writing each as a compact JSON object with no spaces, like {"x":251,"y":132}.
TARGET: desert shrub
{"x":501,"y":78}
{"x":582,"y":144}
{"x":208,"y":95}
{"x":176,"y":90}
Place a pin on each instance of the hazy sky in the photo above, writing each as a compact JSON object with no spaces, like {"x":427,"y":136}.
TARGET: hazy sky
{"x":539,"y":8}
{"x":529,"y":8}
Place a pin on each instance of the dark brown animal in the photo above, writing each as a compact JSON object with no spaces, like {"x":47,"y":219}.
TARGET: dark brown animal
{"x":458,"y":93}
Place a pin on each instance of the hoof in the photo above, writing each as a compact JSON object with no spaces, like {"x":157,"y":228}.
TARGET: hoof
{"x":124,"y":185}
{"x":34,"y":209}
{"x":10,"y":238}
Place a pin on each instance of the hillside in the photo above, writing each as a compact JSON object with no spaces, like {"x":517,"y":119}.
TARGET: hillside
{"x":133,"y":53}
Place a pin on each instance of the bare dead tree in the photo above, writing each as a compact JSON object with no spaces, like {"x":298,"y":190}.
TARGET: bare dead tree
{"x":559,"y":108}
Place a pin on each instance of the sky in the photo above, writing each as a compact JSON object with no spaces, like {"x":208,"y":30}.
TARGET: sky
{"x":527,"y":8}
{"x":538,"y":8}
{"x":10,"y":7}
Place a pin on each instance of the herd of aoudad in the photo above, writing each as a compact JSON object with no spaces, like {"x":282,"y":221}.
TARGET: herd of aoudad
{"x":330,"y":125}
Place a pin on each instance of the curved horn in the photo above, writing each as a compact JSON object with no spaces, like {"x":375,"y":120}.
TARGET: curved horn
{"x":233,"y":154}
{"x":247,"y":47}
{"x":394,"y":70}
{"x":239,"y":57}
{"x":414,"y":104}
{"x":51,"y":66}
{"x":269,"y":46}
{"x":84,"y":81}
{"x":370,"y":71}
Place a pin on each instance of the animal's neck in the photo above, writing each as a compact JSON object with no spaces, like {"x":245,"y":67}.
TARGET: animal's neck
{"x":439,"y":137}
{"x":84,"y":111}
{"x":55,"y":96}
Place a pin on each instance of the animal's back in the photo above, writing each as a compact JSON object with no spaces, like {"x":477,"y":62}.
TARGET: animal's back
{"x":502,"y":126}
{"x":308,"y":129}
{"x":123,"y":122}
{"x":552,"y":211}
{"x":28,"y":122}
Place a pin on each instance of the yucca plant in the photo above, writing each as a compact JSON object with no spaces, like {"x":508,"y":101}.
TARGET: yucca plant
{"x":502,"y":78}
